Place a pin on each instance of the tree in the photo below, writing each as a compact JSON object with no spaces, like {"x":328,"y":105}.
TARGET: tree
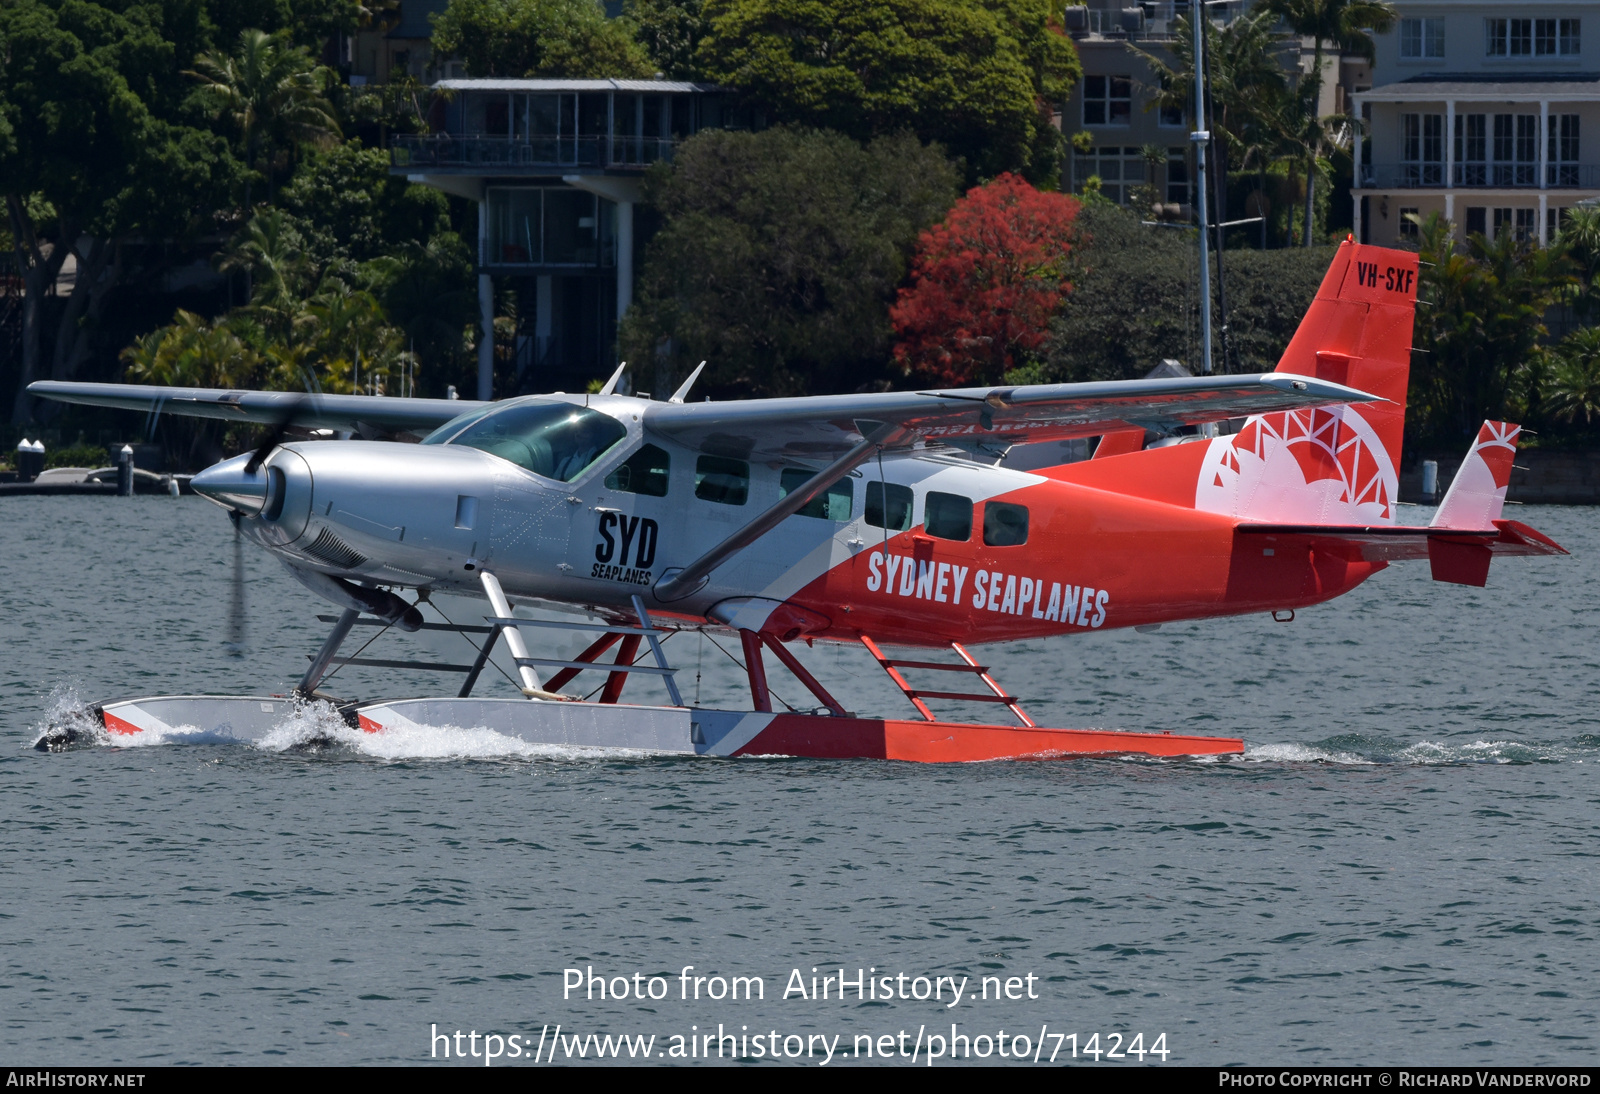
{"x":346,"y":204}
{"x":1349,"y":26}
{"x":670,"y":31}
{"x":778,"y":257}
{"x":1573,"y":393}
{"x":1247,"y":90}
{"x":985,"y":283}
{"x":86,"y":166}
{"x":273,"y":94}
{"x":980,"y":77}
{"x":1134,"y":303}
{"x":1480,"y":328}
{"x":571,"y":38}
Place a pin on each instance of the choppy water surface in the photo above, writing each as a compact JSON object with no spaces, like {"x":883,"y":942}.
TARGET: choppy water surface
{"x":1401,"y":869}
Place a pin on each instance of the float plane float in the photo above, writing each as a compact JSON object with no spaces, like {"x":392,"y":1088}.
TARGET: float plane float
{"x":929,"y":520}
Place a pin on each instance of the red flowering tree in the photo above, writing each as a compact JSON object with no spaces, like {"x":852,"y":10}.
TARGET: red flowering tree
{"x":985,"y":283}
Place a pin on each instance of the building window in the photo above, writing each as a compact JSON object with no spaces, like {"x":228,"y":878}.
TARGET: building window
{"x":1556,"y":37}
{"x":1172,"y":117}
{"x":1561,"y":166}
{"x":1508,"y":37}
{"x":1422,"y":151}
{"x":1177,"y":176}
{"x":1120,"y":169}
{"x":1472,"y":150}
{"x":1516,"y":149}
{"x":1476,"y":224}
{"x":1421,"y":39}
{"x":1554,"y":218}
{"x":1107,"y":100}
{"x":1519,"y":222}
{"x":1408,"y":227}
{"x":549,"y":226}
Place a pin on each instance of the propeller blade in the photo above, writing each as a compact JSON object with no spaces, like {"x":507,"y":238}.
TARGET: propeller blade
{"x":274,"y":438}
{"x":236,"y":607}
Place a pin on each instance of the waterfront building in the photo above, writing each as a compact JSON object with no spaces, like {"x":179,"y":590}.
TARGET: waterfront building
{"x":556,"y":168}
{"x":1488,"y":117}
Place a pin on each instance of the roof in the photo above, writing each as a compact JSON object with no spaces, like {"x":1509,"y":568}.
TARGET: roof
{"x":1489,"y":86}
{"x":660,"y":87}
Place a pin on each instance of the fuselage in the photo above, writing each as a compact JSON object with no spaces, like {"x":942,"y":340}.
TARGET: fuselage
{"x":919,"y":548}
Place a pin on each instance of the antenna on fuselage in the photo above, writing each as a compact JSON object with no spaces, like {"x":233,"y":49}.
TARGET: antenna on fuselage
{"x":683,"y":391}
{"x":611,"y":384}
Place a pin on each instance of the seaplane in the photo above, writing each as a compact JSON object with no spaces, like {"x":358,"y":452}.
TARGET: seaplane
{"x":916,"y":525}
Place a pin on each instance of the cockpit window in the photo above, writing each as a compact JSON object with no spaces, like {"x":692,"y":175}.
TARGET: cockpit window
{"x":555,"y":440}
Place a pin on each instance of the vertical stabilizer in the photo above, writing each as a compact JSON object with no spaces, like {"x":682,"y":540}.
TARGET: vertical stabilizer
{"x":1477,"y":494}
{"x":1337,"y":465}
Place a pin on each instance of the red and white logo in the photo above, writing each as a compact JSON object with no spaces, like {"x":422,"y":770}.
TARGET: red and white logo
{"x":1324,"y":466}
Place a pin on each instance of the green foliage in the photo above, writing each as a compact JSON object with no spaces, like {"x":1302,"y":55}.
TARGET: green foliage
{"x":571,"y":38}
{"x":778,"y":258}
{"x":1573,"y":391}
{"x":273,"y":94}
{"x":78,"y":455}
{"x":670,"y":31}
{"x":1480,"y":329}
{"x":347,"y":205}
{"x":1134,"y":302}
{"x":978,"y":76}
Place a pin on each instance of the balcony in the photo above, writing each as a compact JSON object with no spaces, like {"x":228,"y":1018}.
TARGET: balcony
{"x":1146,"y":21}
{"x":1479,"y":176}
{"x":526,"y":154}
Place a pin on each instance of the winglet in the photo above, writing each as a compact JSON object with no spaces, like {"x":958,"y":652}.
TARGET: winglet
{"x":683,"y":389}
{"x":611,"y":384}
{"x":1477,"y":495}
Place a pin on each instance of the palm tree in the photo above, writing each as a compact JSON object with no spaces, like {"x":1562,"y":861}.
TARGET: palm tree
{"x":272,"y":93}
{"x":1246,"y":82}
{"x":1574,"y":390}
{"x":1347,"y":24}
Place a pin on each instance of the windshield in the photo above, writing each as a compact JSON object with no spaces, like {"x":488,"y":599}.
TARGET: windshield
{"x":555,"y":440}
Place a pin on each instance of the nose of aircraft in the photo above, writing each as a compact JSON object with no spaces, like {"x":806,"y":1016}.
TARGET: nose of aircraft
{"x":231,"y":486}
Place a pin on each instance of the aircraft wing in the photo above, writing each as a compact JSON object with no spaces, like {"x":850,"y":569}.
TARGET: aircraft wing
{"x":827,"y":426}
{"x":365,"y":414}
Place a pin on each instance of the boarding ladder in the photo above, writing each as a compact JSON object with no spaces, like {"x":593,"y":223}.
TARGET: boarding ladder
{"x":996,"y":693}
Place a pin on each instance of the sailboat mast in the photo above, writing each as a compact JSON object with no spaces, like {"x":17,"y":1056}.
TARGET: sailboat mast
{"x":1200,"y":136}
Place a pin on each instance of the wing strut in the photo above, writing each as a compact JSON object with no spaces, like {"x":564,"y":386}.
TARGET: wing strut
{"x":678,"y":585}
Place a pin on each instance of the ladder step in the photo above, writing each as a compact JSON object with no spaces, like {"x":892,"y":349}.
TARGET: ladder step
{"x":563,"y":626}
{"x":599,"y":666}
{"x":963,"y":696}
{"x":380,"y":663}
{"x":939,"y":665}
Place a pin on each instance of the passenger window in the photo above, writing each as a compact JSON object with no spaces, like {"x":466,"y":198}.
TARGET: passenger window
{"x":948,"y":516}
{"x":1004,"y":524}
{"x":719,"y":479}
{"x":891,"y":501}
{"x":834,"y":503}
{"x":644,"y":472}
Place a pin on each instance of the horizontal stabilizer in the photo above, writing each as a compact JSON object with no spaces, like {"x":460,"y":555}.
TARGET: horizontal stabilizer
{"x":1457,"y":555}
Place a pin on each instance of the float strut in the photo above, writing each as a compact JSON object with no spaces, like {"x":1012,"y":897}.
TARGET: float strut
{"x":478,"y":662}
{"x":757,"y":671}
{"x":596,"y":648}
{"x":793,"y":665}
{"x":519,"y":649}
{"x":614,"y":681}
{"x":319,"y":664}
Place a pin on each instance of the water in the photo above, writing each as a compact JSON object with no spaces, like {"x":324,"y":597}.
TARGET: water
{"x":1401,"y":868}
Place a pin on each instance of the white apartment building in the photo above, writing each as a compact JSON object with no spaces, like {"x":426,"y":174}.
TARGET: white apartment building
{"x":1489,"y":117}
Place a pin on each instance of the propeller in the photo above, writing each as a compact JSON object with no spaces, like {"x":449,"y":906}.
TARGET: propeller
{"x":280,"y":429}
{"x":234,"y":645}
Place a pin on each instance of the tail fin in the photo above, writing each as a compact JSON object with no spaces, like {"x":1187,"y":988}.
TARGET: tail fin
{"x":1339,"y":465}
{"x":1477,"y":494}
